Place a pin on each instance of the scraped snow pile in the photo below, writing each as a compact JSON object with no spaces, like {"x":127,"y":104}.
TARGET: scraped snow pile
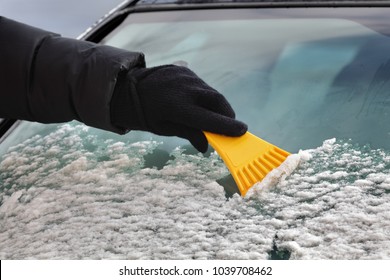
{"x":72,"y":195}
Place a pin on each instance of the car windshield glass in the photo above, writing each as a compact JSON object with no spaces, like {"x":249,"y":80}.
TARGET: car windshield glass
{"x":313,"y":83}
{"x":295,"y":81}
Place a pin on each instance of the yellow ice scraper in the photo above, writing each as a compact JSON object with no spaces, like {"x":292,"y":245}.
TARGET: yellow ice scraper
{"x":248,"y":158}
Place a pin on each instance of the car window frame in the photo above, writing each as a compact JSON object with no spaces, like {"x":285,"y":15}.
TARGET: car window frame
{"x":115,"y":17}
{"x":5,"y":128}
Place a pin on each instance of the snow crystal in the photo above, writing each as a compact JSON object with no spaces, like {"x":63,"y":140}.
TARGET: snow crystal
{"x":71,"y":195}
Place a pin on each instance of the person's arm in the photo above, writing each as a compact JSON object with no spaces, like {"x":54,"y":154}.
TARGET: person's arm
{"x":50,"y":79}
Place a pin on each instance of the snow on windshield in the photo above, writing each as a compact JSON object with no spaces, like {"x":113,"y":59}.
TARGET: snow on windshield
{"x":72,"y":195}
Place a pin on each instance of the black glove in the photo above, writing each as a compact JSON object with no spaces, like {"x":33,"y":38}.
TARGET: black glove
{"x":172,"y":101}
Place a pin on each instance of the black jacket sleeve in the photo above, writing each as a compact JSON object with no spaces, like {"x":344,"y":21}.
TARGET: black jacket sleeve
{"x":47,"y":78}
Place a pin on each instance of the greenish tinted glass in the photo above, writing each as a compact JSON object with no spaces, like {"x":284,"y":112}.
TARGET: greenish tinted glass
{"x":296,"y":81}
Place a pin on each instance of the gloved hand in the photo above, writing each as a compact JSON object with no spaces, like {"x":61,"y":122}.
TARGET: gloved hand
{"x":172,"y":101}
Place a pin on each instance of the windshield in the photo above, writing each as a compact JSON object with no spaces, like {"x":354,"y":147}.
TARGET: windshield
{"x":295,"y":81}
{"x":313,"y":83}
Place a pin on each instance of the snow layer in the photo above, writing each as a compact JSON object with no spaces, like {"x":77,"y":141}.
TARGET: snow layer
{"x":72,"y":195}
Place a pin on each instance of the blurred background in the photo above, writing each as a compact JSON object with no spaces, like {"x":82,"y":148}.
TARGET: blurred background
{"x":69,"y":18}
